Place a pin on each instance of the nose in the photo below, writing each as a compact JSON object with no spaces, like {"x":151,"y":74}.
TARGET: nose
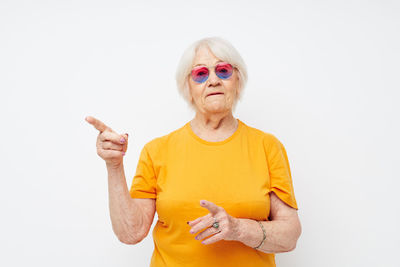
{"x":213,"y":79}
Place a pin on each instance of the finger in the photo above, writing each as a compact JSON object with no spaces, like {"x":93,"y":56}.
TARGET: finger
{"x":99,"y":125}
{"x":204,"y":223}
{"x":214,"y":209}
{"x":196,"y":221}
{"x":112,"y":146}
{"x":125,"y":145}
{"x":111,"y":153}
{"x":206,"y":233}
{"x":217,"y":237}
{"x":113,"y":137}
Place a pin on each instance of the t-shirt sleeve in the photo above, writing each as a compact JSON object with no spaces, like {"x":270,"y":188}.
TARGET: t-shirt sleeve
{"x":279,"y":171}
{"x":144,"y":181}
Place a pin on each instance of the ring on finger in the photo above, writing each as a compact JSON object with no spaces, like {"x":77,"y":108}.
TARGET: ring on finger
{"x":215,"y":224}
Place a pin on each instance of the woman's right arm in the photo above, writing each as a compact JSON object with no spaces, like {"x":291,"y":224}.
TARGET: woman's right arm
{"x":131,"y":217}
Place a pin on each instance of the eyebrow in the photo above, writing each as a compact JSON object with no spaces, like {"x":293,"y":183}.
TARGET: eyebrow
{"x":205,"y":64}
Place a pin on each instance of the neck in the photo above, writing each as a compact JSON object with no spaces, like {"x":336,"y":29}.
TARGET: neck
{"x":215,"y":122}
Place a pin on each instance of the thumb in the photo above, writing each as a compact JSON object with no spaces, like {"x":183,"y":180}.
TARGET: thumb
{"x":125,"y":146}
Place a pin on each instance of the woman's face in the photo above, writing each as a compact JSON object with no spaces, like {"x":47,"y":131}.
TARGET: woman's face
{"x":204,"y":102}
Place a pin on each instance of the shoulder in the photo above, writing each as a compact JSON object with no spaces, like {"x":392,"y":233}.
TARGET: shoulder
{"x":267,"y":138}
{"x":158,"y":143}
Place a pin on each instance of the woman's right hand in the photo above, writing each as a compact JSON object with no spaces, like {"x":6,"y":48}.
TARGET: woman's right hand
{"x":110,"y":146}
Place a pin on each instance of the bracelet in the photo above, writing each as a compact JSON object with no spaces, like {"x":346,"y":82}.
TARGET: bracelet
{"x":264,"y":235}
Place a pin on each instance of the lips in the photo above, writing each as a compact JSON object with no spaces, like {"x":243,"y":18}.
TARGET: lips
{"x":215,"y":93}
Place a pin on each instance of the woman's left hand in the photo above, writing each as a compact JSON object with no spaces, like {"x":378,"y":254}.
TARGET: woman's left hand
{"x":228,"y":228}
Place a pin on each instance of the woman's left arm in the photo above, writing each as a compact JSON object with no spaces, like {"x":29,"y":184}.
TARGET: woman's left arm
{"x":282,"y":232}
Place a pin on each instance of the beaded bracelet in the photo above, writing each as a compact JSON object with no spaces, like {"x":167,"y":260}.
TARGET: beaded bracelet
{"x":264,"y":235}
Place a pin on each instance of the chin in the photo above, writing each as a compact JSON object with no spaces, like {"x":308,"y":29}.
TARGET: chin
{"x":215,"y":108}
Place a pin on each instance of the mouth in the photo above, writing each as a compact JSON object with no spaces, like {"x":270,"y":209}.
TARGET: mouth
{"x":215,"y":93}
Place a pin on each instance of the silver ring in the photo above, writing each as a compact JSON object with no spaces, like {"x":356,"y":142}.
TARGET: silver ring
{"x":215,"y":224}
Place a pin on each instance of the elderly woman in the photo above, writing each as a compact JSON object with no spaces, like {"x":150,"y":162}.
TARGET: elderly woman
{"x":222,"y":189}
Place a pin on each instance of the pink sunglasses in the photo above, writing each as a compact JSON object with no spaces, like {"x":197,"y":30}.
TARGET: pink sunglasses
{"x":223,"y":70}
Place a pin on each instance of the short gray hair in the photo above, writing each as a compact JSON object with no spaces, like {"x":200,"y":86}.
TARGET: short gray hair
{"x":223,"y":50}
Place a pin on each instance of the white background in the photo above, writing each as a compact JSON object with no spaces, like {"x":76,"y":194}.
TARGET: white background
{"x":323,"y":78}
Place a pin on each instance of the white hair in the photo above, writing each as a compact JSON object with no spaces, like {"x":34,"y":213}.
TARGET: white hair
{"x":223,"y":50}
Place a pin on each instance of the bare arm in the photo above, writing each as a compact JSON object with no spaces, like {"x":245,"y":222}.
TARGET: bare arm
{"x":282,"y":231}
{"x":131,"y":218}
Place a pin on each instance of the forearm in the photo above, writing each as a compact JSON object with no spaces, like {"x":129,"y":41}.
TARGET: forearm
{"x":126,"y":217}
{"x":281,"y":236}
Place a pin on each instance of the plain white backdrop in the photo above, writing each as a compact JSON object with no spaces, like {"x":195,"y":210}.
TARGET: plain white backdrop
{"x":323,"y":78}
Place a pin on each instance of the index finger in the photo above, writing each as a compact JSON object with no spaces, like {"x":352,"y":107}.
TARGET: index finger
{"x":213,"y":208}
{"x":97,"y":124}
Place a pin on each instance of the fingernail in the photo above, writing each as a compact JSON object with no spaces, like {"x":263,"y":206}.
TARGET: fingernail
{"x":122,"y":140}
{"x":123,"y":153}
{"x":127,"y":134}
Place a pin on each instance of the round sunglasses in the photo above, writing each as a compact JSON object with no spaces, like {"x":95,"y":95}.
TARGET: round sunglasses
{"x":223,"y":70}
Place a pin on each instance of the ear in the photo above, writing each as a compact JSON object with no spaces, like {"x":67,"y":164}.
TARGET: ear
{"x":237,"y":93}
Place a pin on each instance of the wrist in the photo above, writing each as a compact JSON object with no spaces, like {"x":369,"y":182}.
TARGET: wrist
{"x":264,"y":235}
{"x":115,"y":167}
{"x":250,"y":233}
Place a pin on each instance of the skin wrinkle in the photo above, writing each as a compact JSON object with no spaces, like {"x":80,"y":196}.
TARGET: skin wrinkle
{"x":214,"y":122}
{"x":282,"y":232}
{"x":126,"y":216}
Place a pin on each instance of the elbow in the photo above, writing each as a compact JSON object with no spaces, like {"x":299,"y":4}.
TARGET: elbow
{"x":129,"y":239}
{"x":291,"y":248}
{"x":296,"y":234}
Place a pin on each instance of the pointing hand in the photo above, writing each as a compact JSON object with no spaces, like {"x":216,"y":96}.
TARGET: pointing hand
{"x":111,"y":146}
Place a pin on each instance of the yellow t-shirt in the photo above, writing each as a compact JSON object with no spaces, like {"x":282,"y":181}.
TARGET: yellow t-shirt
{"x":180,"y":169}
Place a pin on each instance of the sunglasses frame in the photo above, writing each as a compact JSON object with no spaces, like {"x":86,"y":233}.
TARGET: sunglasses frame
{"x":213,"y":68}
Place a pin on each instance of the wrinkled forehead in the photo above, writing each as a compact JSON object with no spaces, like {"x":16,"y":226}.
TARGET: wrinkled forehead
{"x":204,"y":56}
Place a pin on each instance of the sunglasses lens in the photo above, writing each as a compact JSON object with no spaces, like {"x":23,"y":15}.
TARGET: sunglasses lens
{"x":200,"y":74}
{"x":224,"y":70}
